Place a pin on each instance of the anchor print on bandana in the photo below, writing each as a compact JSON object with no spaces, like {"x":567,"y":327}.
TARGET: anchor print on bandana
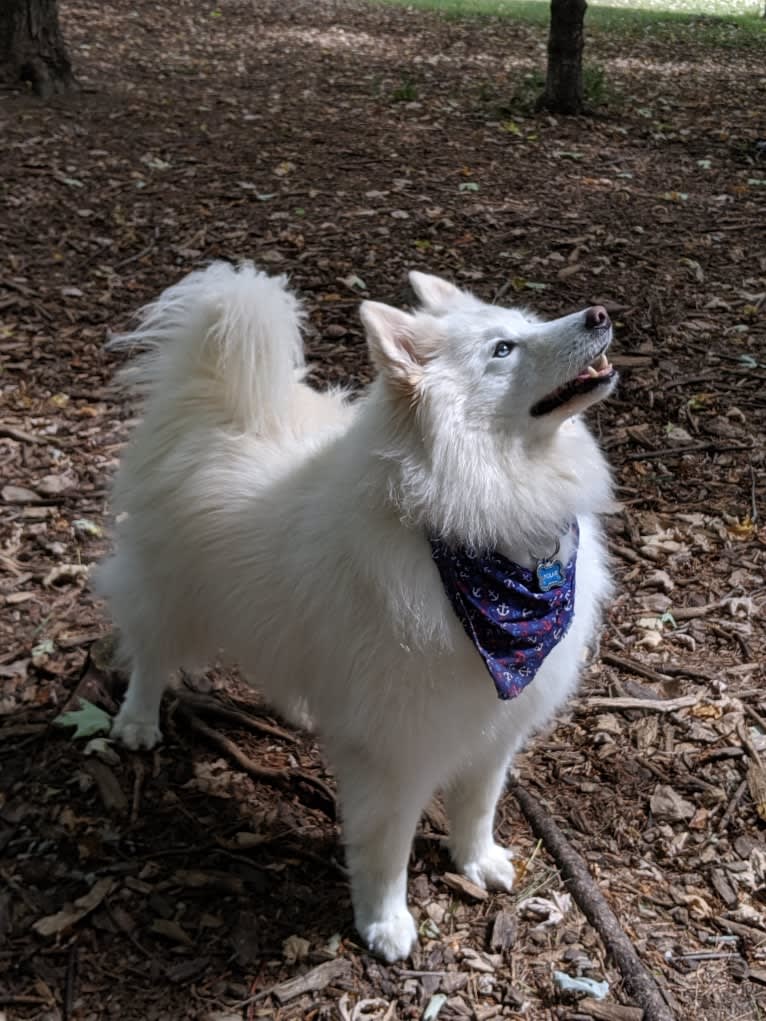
{"x":511,"y":619}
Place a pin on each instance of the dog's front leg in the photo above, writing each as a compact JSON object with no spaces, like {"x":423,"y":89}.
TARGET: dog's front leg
{"x":137,"y":724}
{"x":380,"y":807}
{"x":471,"y":800}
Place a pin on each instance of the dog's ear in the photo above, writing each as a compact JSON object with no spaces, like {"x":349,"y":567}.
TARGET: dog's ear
{"x":435,"y":294}
{"x":392,"y":344}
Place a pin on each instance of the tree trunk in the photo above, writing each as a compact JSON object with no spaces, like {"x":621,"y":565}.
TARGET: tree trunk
{"x":563,"y":85}
{"x":32,"y":48}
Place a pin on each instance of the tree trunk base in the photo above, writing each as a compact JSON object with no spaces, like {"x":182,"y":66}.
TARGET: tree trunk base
{"x":564,"y":85}
{"x":46,"y":76}
{"x":32,"y":49}
{"x":551,"y":104}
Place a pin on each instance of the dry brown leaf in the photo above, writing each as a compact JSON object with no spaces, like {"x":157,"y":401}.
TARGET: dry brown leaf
{"x":51,"y":925}
{"x":171,"y":930}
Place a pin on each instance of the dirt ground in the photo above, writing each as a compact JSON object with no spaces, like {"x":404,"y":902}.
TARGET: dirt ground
{"x":345,"y":144}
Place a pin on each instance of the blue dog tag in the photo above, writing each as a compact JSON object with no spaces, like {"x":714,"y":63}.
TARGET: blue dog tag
{"x":550,"y":574}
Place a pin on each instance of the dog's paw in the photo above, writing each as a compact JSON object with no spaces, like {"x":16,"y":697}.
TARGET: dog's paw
{"x":492,"y":870}
{"x":391,"y":938}
{"x":135,"y":733}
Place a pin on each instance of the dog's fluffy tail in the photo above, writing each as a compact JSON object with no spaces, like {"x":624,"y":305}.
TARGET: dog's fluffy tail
{"x":224,"y":338}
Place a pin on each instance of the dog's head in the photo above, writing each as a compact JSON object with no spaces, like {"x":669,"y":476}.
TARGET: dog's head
{"x":468,"y":431}
{"x":495,"y":368}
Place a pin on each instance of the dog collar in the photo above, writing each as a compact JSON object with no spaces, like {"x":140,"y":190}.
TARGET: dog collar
{"x":513,"y":616}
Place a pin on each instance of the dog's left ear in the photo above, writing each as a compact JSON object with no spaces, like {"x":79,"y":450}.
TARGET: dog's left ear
{"x":436,"y":294}
{"x":392,"y":344}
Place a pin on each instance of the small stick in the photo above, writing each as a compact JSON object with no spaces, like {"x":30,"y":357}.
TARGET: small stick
{"x":746,"y":932}
{"x":689,"y":448}
{"x":633,"y":666}
{"x":71,"y":982}
{"x":755,"y":716}
{"x":693,"y":612}
{"x":668,"y":705}
{"x":753,"y":503}
{"x":682,"y":671}
{"x":659,"y":677}
{"x":128,"y":933}
{"x":134,"y":258}
{"x":638,"y":982}
{"x":138,"y":783}
{"x":275,"y":777}
{"x":609,"y":1011}
{"x":707,"y":955}
{"x":626,"y":553}
{"x":731,"y":807}
{"x":202,"y":704}
{"x":10,"y":432}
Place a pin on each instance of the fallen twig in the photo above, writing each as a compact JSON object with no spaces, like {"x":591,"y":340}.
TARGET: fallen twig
{"x":134,"y":258}
{"x":319,"y":977}
{"x":665,"y":705}
{"x":628,"y":554}
{"x":10,"y":432}
{"x":668,"y":671}
{"x":312,"y":981}
{"x":673,"y":670}
{"x":732,"y":807}
{"x":688,"y":448}
{"x":753,"y":501}
{"x":638,"y":982}
{"x":109,"y":789}
{"x":633,"y":666}
{"x":275,"y":777}
{"x":139,"y":774}
{"x":755,"y":716}
{"x":746,"y":932}
{"x":608,"y":1011}
{"x":693,"y":612}
{"x":213,"y":706}
{"x":70,"y":986}
{"x":756,"y":773}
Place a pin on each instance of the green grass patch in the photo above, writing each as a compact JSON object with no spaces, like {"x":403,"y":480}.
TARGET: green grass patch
{"x":405,"y":92}
{"x":728,"y":23}
{"x":598,"y":92}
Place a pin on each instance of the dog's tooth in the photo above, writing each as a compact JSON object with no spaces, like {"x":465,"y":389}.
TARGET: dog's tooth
{"x":602,"y":362}
{"x":592,"y":371}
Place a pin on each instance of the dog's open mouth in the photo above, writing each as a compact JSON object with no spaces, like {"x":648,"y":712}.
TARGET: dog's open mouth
{"x":598,"y":373}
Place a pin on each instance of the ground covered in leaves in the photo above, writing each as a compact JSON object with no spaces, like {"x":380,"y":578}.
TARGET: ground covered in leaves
{"x":346,"y":143}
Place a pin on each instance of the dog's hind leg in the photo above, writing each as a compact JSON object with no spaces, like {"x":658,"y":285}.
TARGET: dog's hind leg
{"x":137,"y":724}
{"x":380,"y":809}
{"x":471,"y":800}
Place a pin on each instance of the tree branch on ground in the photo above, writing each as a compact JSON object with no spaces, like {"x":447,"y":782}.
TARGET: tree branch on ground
{"x":638,"y":981}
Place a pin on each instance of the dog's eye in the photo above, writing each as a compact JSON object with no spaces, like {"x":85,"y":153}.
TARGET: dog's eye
{"x":503,"y":348}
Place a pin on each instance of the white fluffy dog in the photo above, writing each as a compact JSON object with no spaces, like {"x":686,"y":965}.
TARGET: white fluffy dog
{"x":312,"y":540}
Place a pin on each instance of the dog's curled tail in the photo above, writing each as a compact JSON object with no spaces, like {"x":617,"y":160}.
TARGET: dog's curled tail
{"x":225,"y":337}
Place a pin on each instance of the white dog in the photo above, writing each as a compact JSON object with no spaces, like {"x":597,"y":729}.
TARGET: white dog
{"x":389,"y":566}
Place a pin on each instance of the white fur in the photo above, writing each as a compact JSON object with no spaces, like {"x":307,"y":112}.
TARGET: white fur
{"x":290,"y":528}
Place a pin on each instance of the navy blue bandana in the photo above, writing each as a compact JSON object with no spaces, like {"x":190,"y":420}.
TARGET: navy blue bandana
{"x":510,"y":620}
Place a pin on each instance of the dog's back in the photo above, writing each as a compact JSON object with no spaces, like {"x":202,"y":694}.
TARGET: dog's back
{"x":226,"y":416}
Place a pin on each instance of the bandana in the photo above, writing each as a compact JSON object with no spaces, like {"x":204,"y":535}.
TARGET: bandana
{"x":505,"y":611}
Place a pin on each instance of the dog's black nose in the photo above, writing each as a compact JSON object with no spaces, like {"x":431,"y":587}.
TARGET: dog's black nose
{"x":597,"y":318}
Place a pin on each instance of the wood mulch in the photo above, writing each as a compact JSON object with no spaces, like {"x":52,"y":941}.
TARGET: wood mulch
{"x":346,"y":143}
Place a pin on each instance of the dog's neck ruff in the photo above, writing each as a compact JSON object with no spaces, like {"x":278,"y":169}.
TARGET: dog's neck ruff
{"x":506,"y":611}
